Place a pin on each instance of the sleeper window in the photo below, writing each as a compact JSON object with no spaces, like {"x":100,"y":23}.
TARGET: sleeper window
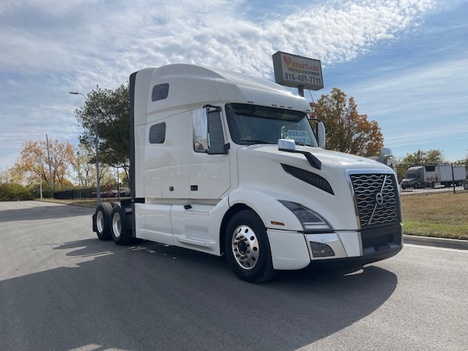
{"x":157,"y":133}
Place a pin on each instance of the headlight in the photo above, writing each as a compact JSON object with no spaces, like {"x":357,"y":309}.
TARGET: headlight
{"x":310,"y":221}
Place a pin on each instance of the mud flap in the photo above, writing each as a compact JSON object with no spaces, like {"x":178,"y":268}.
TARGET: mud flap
{"x":93,"y":219}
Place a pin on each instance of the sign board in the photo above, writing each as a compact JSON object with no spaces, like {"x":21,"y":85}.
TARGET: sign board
{"x":297,"y":71}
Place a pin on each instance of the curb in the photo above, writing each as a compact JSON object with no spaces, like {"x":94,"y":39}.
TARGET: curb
{"x":437,"y":242}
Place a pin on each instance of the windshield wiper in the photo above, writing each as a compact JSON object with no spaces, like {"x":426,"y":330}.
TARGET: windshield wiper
{"x":256,"y":141}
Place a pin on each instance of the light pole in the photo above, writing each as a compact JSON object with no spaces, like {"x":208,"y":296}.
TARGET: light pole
{"x":96,"y":146}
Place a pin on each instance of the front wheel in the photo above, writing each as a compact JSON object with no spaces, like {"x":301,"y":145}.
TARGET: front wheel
{"x":247,"y":248}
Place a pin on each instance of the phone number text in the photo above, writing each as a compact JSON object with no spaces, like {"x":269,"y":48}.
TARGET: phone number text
{"x":302,"y":78}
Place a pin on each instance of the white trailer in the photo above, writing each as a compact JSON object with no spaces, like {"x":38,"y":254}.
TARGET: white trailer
{"x":449,"y":175}
{"x":434,"y":175}
{"x":228,"y":164}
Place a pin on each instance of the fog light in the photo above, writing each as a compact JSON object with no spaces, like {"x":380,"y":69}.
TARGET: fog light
{"x":321,"y":249}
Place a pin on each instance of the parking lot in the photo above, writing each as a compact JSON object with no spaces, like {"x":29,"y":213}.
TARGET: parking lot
{"x":62,"y":289}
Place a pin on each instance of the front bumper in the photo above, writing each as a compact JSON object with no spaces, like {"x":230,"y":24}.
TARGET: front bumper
{"x":354,"y":262}
{"x":294,"y":250}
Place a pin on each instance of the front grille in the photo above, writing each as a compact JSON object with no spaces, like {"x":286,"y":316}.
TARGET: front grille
{"x":381,"y":239}
{"x":377,"y":199}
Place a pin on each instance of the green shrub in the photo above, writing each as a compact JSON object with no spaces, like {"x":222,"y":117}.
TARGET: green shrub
{"x":15,"y":192}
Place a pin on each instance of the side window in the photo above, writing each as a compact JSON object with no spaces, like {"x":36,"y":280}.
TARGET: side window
{"x":215,"y":133}
{"x":157,"y":133}
{"x":208,"y":134}
{"x":160,"y":92}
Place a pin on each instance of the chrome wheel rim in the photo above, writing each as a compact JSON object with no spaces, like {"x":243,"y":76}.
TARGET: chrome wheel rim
{"x":116,"y":225}
{"x":100,"y":222}
{"x":245,"y":247}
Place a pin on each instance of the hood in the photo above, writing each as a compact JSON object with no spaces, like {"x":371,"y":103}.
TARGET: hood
{"x":328,"y":159}
{"x":278,"y":174}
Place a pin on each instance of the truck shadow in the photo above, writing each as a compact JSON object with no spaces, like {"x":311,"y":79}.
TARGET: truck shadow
{"x":153,"y":297}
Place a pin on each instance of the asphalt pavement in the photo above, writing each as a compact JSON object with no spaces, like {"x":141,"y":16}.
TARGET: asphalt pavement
{"x":62,"y":289}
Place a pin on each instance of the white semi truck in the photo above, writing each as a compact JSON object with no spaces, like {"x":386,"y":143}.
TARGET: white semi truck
{"x":228,"y":164}
{"x":434,"y":175}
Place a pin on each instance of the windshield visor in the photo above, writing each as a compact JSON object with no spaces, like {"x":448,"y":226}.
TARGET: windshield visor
{"x":251,"y":124}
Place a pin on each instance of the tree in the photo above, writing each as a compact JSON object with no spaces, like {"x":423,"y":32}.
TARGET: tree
{"x":41,"y":162}
{"x":419,"y":158}
{"x":347,"y":130}
{"x":45,"y":160}
{"x":12,"y":192}
{"x":83,"y":164}
{"x":4,"y":177}
{"x":423,"y":158}
{"x":110,"y":109}
{"x":463,"y":161}
{"x":84,"y":170}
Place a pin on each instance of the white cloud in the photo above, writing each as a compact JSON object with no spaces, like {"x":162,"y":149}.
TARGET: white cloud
{"x":435,"y":89}
{"x":49,"y":35}
{"x":419,"y":108}
{"x":50,"y":47}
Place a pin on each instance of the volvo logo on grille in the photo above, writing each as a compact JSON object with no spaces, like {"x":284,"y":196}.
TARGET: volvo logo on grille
{"x":379,"y":199}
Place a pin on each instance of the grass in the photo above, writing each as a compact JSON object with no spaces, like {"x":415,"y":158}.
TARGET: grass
{"x":442,"y":215}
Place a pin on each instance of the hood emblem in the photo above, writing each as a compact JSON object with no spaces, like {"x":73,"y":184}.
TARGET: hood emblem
{"x":379,"y":199}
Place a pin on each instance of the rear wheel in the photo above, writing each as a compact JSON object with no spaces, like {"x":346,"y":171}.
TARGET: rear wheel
{"x":119,"y":231}
{"x":247,"y":248}
{"x":102,"y":219}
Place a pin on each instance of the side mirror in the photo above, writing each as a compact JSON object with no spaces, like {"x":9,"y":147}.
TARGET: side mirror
{"x":208,"y":136}
{"x":385,"y":151}
{"x":321,"y":134}
{"x":200,"y":129}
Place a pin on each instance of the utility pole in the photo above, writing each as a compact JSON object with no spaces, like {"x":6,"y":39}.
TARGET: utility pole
{"x":50,"y":167}
{"x":453,"y":179}
{"x":40,"y":187}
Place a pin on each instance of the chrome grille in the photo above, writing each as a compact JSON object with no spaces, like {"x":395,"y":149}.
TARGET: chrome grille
{"x":377,"y":198}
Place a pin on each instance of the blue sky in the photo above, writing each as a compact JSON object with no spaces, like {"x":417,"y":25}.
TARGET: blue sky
{"x":404,"y":61}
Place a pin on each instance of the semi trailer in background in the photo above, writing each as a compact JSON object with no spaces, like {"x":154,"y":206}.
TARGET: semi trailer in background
{"x":434,"y":175}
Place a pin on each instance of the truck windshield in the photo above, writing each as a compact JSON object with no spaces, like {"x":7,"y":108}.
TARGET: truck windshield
{"x":251,"y":124}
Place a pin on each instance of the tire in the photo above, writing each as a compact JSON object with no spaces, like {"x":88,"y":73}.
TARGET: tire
{"x":247,"y":248}
{"x":416,"y":186}
{"x":119,"y":231}
{"x":102,"y":218}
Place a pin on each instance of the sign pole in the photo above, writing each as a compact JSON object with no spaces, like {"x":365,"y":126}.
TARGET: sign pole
{"x":300,"y":90}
